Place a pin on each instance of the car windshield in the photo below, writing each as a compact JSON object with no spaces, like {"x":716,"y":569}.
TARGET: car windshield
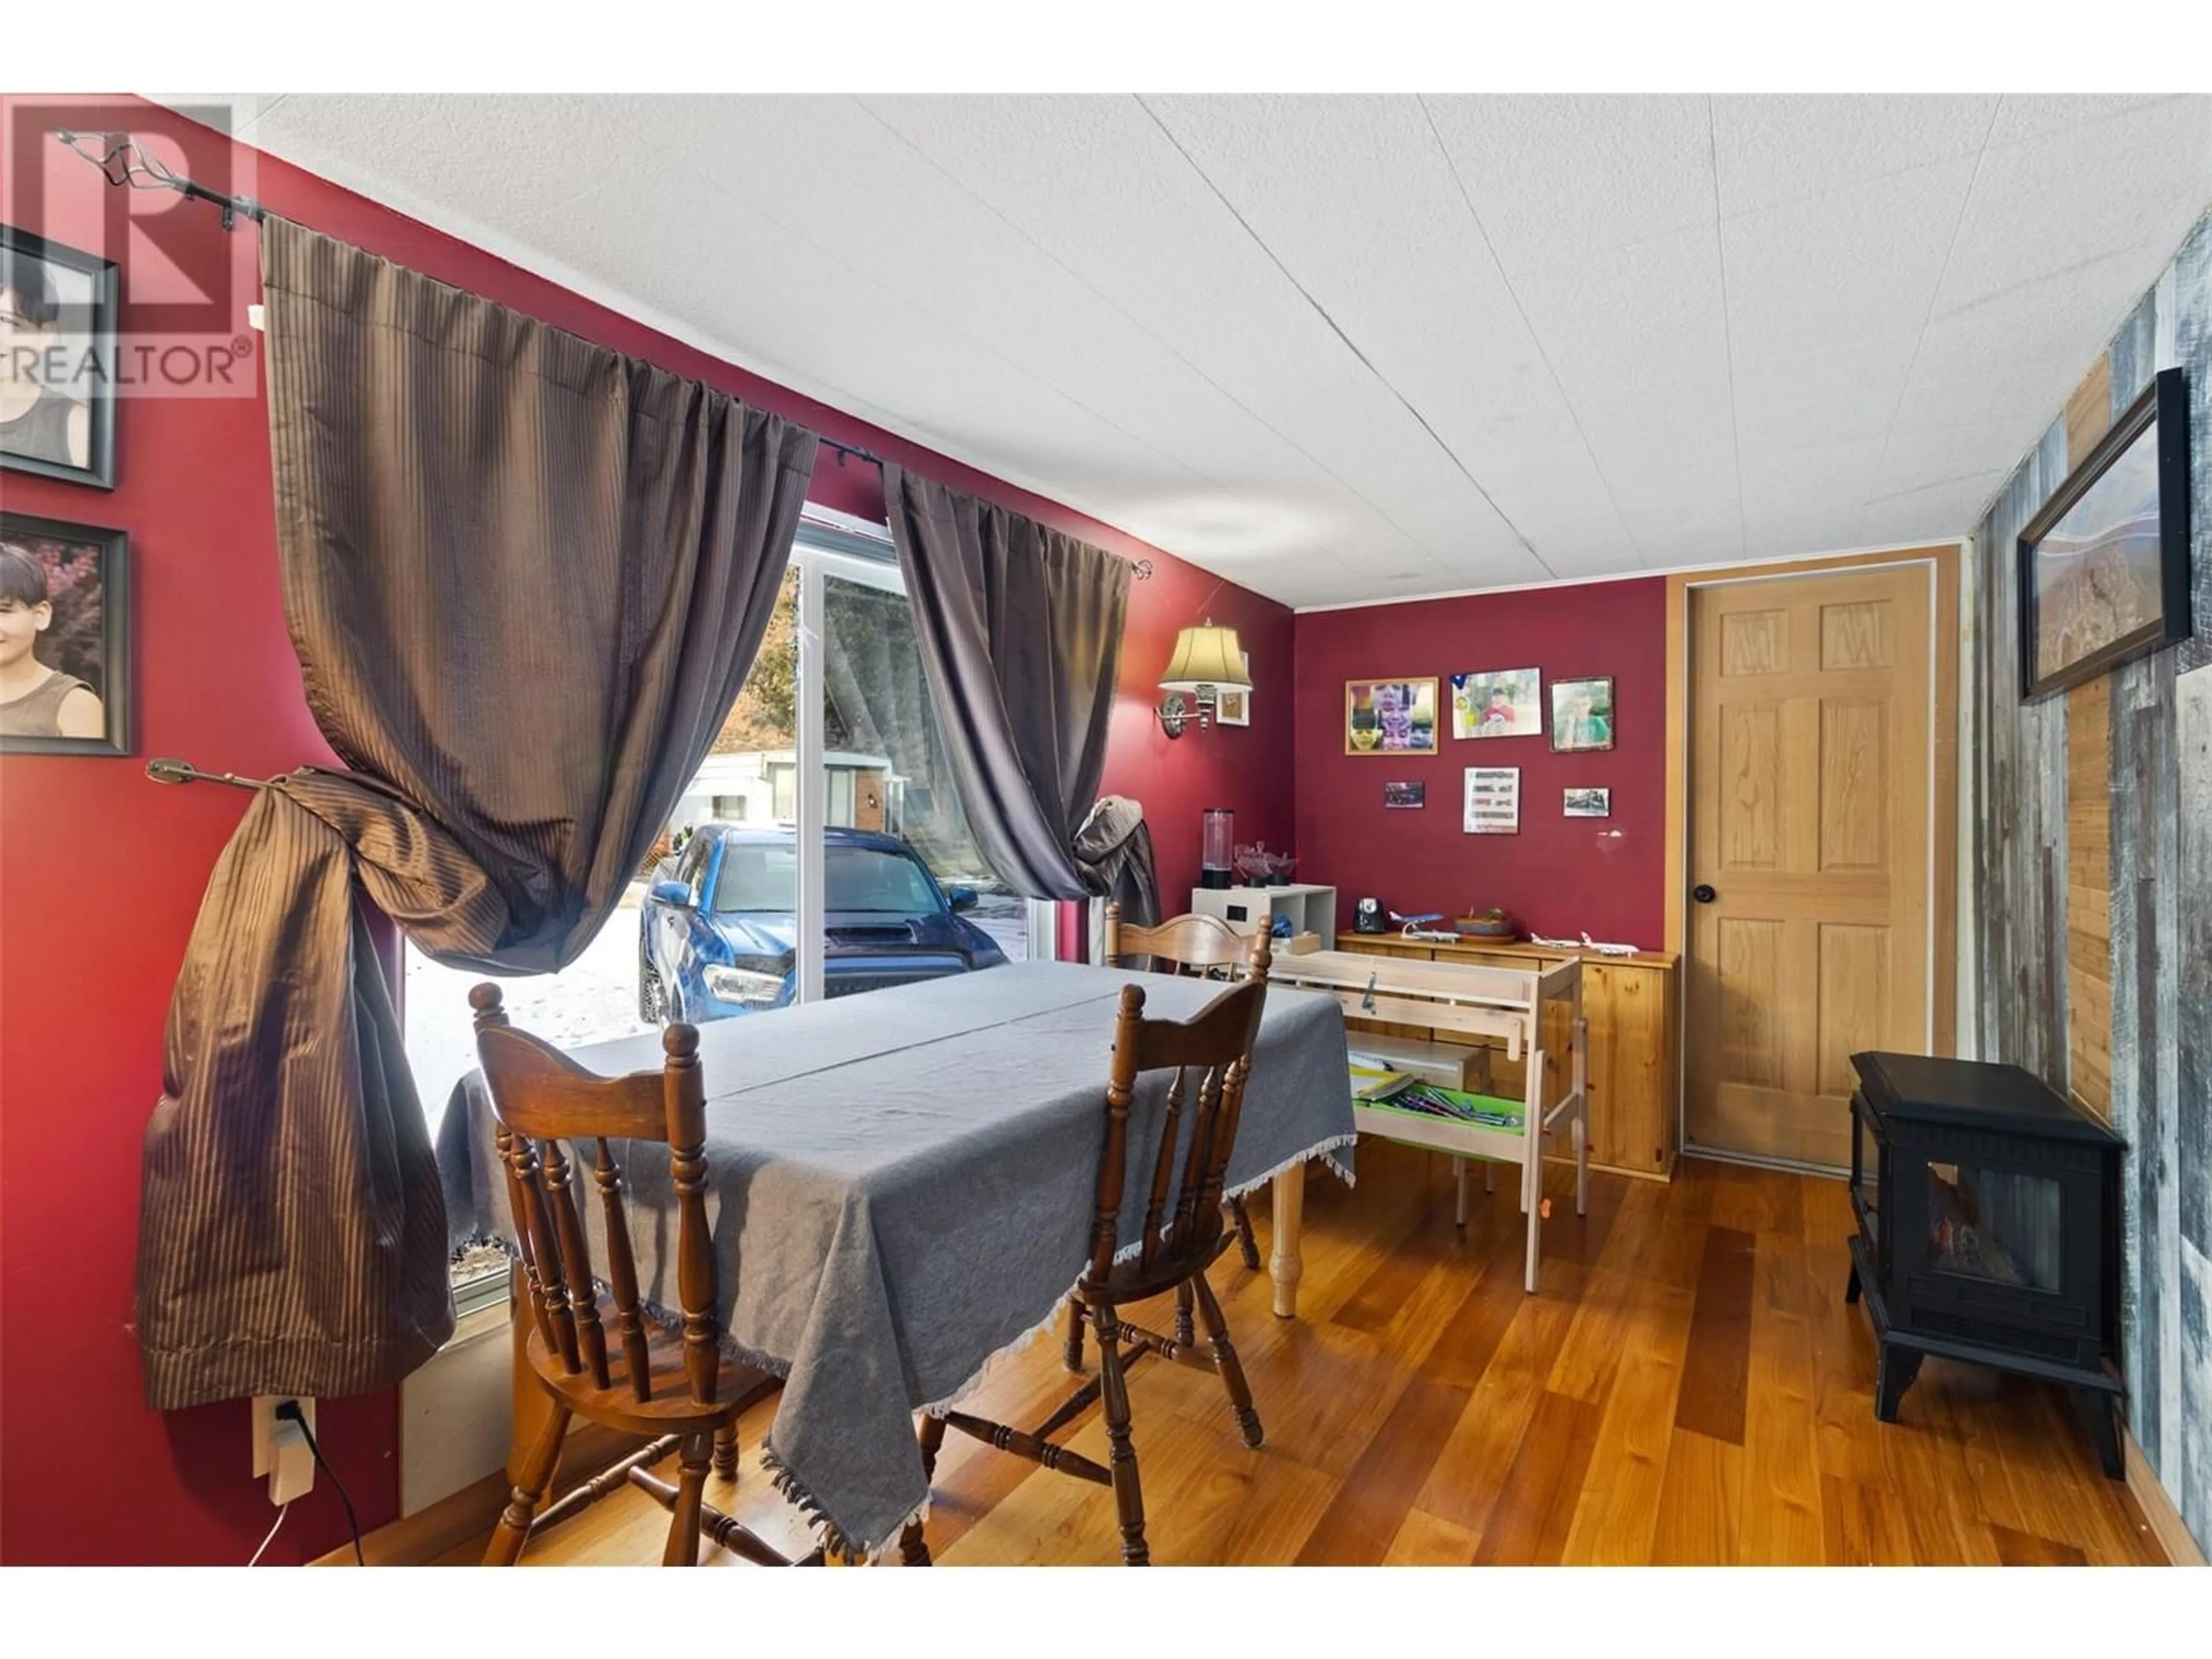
{"x":766,"y":878}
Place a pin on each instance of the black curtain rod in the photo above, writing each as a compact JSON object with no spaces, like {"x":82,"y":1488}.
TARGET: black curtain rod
{"x":843,"y":450}
{"x":122,"y":162}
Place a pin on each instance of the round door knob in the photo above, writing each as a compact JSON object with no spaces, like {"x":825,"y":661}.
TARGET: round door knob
{"x":1703,"y":893}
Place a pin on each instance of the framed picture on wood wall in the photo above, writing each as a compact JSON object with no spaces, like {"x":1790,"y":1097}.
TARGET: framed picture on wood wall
{"x":64,"y":638}
{"x":2103,"y":568}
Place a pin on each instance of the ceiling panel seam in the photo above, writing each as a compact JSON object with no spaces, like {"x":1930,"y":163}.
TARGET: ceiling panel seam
{"x":985,"y":347}
{"x":1137,"y":323}
{"x":1351,"y":345}
{"x":1727,"y":323}
{"x":1934,"y":293}
{"x":1536,"y":339}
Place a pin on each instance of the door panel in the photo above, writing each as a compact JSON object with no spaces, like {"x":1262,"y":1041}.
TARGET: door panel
{"x":1810,"y":721}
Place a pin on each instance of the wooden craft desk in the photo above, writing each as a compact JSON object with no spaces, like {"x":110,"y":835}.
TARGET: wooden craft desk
{"x":1629,"y":1003}
{"x":1484,"y":1002}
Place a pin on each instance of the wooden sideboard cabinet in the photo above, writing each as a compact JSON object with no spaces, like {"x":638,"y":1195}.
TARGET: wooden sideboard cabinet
{"x":1629,"y":1002}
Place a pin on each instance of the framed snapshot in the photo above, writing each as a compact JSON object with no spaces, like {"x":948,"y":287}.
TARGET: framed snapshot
{"x":1588,"y":803}
{"x":1505,"y":703}
{"x":64,"y":638}
{"x":1582,"y":714}
{"x":1390,"y":717}
{"x":57,"y":309}
{"x":2103,"y":568}
{"x":1405,"y":795}
{"x":1493,"y":800}
{"x":1232,"y":705}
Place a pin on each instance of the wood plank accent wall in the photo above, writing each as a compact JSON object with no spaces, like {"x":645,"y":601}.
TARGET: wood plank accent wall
{"x":2108,"y":794}
{"x":2088,"y":820}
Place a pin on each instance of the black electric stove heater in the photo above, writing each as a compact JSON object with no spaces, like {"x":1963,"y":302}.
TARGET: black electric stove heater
{"x":1988,"y":1213}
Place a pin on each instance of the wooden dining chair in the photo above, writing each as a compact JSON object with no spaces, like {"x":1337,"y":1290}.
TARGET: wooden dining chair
{"x":1206,"y":947}
{"x":1183,"y":1234}
{"x":591,"y":1349}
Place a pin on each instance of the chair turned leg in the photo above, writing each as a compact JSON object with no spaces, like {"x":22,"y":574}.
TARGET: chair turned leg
{"x":513,"y":1527}
{"x":683,"y":1549}
{"x":1074,"y":1357}
{"x":1226,"y":1362}
{"x":914,"y":1548}
{"x":931,"y":1437}
{"x":1246,"y":1246}
{"x":1184,"y":1335}
{"x":726,"y":1451}
{"x":1121,"y":1456}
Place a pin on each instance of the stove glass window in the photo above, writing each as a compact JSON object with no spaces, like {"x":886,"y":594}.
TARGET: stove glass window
{"x":1993,"y":1224}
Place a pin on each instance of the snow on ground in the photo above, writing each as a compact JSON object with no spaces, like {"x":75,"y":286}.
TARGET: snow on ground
{"x":592,"y":1000}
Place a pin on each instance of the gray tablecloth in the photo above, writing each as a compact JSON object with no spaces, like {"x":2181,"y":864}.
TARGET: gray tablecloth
{"x":903,"y":1186}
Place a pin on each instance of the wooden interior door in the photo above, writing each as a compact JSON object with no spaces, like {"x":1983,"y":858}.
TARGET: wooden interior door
{"x":1811,"y":721}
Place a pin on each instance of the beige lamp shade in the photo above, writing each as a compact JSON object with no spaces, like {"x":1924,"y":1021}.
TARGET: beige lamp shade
{"x":1207,"y":656}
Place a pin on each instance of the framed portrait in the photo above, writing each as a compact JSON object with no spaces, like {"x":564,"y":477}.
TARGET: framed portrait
{"x":1405,"y":796}
{"x":1581,"y":714}
{"x":1232,"y":705}
{"x":1588,"y":803}
{"x":1505,"y":702}
{"x":1492,"y":801}
{"x":2103,"y":568}
{"x":64,"y":638}
{"x":1390,"y":717}
{"x":57,"y":309}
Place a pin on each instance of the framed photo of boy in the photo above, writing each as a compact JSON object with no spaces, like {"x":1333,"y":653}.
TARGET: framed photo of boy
{"x":1581,"y":714}
{"x":64,"y":638}
{"x":57,"y":309}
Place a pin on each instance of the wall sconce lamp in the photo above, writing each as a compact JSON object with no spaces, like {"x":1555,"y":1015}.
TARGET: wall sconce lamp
{"x":1206,"y":660}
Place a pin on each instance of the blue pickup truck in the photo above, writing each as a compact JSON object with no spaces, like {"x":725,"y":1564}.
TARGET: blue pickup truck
{"x":716,"y":934}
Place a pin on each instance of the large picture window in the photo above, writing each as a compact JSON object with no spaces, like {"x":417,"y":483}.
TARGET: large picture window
{"x":821,"y":850}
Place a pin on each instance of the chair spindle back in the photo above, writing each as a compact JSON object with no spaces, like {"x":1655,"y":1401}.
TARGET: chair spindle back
{"x":543,"y":1102}
{"x":1182,"y":1210}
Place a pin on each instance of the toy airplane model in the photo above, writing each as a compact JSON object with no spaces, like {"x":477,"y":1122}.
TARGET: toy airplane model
{"x":1414,"y":929}
{"x":1586,"y":943}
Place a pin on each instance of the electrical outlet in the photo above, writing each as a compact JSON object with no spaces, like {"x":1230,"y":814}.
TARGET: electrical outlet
{"x":280,"y":1449}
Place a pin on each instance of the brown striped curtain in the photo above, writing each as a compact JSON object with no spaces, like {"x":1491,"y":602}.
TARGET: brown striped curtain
{"x":1020,"y":630}
{"x":526,"y":577}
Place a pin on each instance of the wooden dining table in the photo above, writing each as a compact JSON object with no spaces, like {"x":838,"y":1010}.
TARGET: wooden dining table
{"x":901,"y":1184}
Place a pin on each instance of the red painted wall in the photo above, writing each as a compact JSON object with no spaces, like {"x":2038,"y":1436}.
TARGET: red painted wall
{"x":1559,"y":875}
{"x":101,"y":872}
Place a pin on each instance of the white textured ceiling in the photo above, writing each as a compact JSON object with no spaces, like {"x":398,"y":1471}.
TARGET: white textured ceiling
{"x":1348,"y":347}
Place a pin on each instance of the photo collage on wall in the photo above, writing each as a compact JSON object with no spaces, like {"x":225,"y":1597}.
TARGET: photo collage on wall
{"x":1400,"y":717}
{"x":65,"y":620}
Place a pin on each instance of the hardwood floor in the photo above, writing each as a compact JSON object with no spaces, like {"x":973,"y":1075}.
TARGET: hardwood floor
{"x":1688,"y":1387}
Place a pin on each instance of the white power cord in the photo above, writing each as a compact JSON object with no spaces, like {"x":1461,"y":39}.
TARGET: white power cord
{"x":282,"y":1510}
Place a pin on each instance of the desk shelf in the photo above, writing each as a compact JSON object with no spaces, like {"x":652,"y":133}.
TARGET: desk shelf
{"x":1629,"y":1003}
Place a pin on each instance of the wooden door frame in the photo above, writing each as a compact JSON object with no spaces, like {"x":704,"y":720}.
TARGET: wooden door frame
{"x":1942,"y":560}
